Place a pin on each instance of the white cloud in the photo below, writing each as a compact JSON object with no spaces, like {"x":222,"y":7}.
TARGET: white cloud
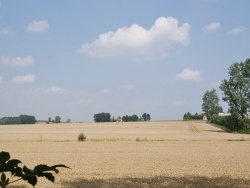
{"x":237,"y":30}
{"x":105,"y":91}
{"x":211,"y":27}
{"x":38,"y":26}
{"x":128,"y":87}
{"x":188,"y":75}
{"x":16,"y":61}
{"x":54,"y":89}
{"x":139,"y":43}
{"x":6,"y":31}
{"x":24,"y":79}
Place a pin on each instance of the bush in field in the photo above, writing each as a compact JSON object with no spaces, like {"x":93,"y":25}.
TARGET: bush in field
{"x":218,"y":120}
{"x":232,"y":123}
{"x":12,"y":168}
{"x":81,"y":137}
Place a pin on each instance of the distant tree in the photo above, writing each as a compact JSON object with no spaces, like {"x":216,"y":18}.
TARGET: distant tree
{"x":27,"y":119}
{"x":49,"y":120}
{"x":196,"y":116}
{"x":134,"y":118}
{"x":57,"y":119}
{"x":22,"y":119}
{"x":210,"y":103}
{"x":237,"y":88}
{"x":68,"y":120}
{"x":102,"y":117}
{"x":146,"y":117}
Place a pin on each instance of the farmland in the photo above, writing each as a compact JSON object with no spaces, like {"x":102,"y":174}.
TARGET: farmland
{"x":141,"y":154}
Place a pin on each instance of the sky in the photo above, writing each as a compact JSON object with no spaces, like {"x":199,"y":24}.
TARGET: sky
{"x":79,"y":58}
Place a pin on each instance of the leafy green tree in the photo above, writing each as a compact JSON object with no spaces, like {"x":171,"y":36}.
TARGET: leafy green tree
{"x":49,"y":120}
{"x":22,"y":119}
{"x":237,"y":88}
{"x":196,"y":116}
{"x":134,"y":118}
{"x":102,"y":117}
{"x":27,"y":119}
{"x":57,"y":119}
{"x":146,"y":117}
{"x":210,"y":103}
{"x":10,"y":168}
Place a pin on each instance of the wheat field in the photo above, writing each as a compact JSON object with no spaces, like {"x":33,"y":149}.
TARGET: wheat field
{"x":167,"y":154}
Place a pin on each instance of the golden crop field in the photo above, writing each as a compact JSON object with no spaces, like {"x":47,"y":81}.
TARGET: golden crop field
{"x":168,"y":154}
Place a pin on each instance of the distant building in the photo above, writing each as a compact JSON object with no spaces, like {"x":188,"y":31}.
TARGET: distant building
{"x":224,"y":114}
{"x":205,"y":118}
{"x":118,"y":119}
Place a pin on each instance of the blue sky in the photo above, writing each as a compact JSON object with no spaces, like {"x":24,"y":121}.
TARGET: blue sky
{"x":78,"y":58}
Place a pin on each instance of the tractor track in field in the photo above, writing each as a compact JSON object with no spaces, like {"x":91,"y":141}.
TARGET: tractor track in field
{"x":193,"y":128}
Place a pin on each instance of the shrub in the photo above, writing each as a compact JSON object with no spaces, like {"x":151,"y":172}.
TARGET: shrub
{"x":81,"y":137}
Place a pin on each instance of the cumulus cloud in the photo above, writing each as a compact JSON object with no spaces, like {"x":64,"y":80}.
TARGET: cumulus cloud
{"x":211,"y":27}
{"x":38,"y":26}
{"x":5,"y":31}
{"x":54,"y":89}
{"x":237,"y":30}
{"x":128,"y":87}
{"x":16,"y":61}
{"x":139,"y":43}
{"x":188,"y":75}
{"x":26,"y":79}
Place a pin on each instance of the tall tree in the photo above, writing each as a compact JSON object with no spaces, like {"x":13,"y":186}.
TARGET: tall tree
{"x":57,"y":119}
{"x":102,"y":117}
{"x":210,"y":103}
{"x":237,"y":88}
{"x":146,"y":117}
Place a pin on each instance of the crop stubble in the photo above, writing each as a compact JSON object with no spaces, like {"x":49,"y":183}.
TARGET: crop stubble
{"x":149,"y":154}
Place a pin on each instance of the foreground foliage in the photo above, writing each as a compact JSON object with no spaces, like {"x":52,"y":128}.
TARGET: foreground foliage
{"x":13,"y":167}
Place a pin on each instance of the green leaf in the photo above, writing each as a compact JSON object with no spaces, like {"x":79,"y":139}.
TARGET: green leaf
{"x":49,"y":176}
{"x":13,"y":162}
{"x":42,"y":168}
{"x":32,"y":180}
{"x":4,"y":156}
{"x":59,"y":165}
{"x":26,"y":170}
{"x":18,"y":171}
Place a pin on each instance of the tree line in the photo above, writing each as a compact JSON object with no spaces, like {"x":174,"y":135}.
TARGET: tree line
{"x":196,"y":116}
{"x":236,"y":92}
{"x":106,"y":117}
{"x":22,"y":119}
